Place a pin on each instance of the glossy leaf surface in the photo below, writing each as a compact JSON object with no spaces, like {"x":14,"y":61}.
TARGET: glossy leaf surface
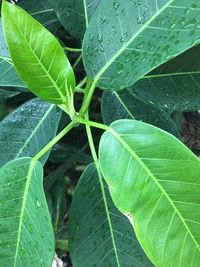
{"x":8,"y":75}
{"x":75,"y":14}
{"x":123,"y":105}
{"x":26,"y":234}
{"x":100,"y":237}
{"x":37,"y":56}
{"x":155,"y":180}
{"x":127,"y":39}
{"x":25,"y":131}
{"x":174,"y":85}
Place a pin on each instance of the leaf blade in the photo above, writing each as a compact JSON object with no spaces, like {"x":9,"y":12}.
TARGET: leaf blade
{"x":152,"y":191}
{"x":8,"y":75}
{"x":174,"y":86}
{"x":25,"y":131}
{"x":92,"y":213}
{"x":78,"y":14}
{"x":129,"y":48}
{"x":47,"y":67}
{"x":123,"y":105}
{"x":28,"y":247}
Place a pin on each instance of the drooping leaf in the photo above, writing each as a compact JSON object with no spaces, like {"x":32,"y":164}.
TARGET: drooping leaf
{"x":174,"y":85}
{"x":37,"y":56}
{"x":43,"y":12}
{"x":26,"y":130}
{"x":8,"y":75}
{"x":127,"y":39}
{"x":155,"y":180}
{"x":4,"y":94}
{"x":74,"y":15}
{"x":99,"y":235}
{"x":26,"y":235}
{"x":123,"y":105}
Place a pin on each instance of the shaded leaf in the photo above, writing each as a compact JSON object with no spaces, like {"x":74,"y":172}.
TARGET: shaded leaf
{"x":26,"y":234}
{"x":74,"y":15}
{"x":123,"y":105}
{"x":4,"y":94}
{"x":26,"y":130}
{"x":99,"y":235}
{"x":43,"y":65}
{"x":174,"y":85}
{"x":127,"y":39}
{"x":8,"y":75}
{"x":43,"y":12}
{"x":154,"y":179}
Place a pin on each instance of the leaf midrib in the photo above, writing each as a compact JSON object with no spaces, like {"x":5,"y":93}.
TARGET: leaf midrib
{"x":123,"y":105}
{"x":107,"y":65}
{"x":136,"y":157}
{"x":86,"y":14}
{"x":32,"y":164}
{"x":170,"y":74}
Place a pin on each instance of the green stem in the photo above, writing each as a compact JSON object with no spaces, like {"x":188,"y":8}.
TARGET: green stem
{"x":96,"y":162}
{"x":80,"y":90}
{"x":74,"y":50}
{"x":77,"y":61}
{"x":89,"y":91}
{"x":82,"y":83}
{"x":55,"y":140}
{"x":94,"y":124}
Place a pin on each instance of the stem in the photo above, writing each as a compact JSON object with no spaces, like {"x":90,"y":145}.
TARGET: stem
{"x":73,"y":50}
{"x":89,"y":91}
{"x":77,"y":61}
{"x":93,"y":124}
{"x":80,"y":90}
{"x":82,"y":83}
{"x":96,"y":162}
{"x":54,"y":140}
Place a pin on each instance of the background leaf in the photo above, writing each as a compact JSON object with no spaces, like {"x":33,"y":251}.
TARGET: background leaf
{"x":123,"y":105}
{"x":26,"y":234}
{"x":4,"y":94}
{"x":8,"y":75}
{"x":26,"y":130}
{"x":127,"y":39}
{"x":43,"y":65}
{"x":92,"y":241}
{"x":154,"y":179}
{"x":174,"y":86}
{"x":74,"y":15}
{"x":43,"y":12}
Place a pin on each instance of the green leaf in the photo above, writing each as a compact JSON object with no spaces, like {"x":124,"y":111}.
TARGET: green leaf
{"x":123,"y":105}
{"x":26,"y":130}
{"x":37,"y":56}
{"x":26,"y":234}
{"x":99,"y":235}
{"x":173,"y":86}
{"x":127,"y":39}
{"x":43,"y":12}
{"x":4,"y":94}
{"x":154,"y":180}
{"x":75,"y":15}
{"x":8,"y":75}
